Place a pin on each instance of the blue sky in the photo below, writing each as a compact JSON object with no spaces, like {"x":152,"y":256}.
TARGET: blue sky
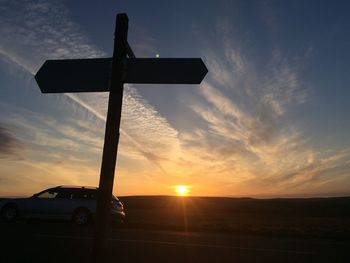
{"x":270,"y":118}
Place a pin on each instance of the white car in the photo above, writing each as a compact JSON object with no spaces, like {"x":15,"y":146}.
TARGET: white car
{"x":62,"y":202}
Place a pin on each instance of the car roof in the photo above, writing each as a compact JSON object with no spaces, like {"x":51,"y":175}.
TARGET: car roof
{"x":68,"y":187}
{"x":76,"y":187}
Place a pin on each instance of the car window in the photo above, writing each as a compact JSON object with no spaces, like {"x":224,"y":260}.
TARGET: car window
{"x":84,"y":194}
{"x":48,"y":194}
{"x":64,"y":194}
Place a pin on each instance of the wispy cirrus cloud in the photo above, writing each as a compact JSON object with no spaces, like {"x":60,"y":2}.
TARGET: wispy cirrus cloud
{"x":34,"y":31}
{"x":248,"y":139}
{"x":10,"y":145}
{"x":244,"y":141}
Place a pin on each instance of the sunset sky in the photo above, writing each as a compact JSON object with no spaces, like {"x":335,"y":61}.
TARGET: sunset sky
{"x":271,"y":118}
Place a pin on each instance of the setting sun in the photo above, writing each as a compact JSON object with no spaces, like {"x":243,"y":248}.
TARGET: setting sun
{"x":182,"y":190}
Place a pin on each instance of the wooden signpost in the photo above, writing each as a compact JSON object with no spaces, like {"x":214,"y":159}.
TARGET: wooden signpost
{"x":110,"y":74}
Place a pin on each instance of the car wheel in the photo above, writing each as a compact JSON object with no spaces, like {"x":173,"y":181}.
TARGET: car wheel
{"x":81,"y":217}
{"x":9,"y":213}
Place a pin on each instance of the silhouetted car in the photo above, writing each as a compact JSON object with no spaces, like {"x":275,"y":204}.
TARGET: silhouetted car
{"x":63,"y":202}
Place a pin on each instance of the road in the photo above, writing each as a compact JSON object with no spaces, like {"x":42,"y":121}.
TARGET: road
{"x":63,"y":242}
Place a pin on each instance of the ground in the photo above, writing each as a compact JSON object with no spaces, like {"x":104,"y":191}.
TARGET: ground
{"x":169,"y":229}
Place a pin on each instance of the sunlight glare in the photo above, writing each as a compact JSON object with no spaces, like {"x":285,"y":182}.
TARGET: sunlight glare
{"x":182,"y":190}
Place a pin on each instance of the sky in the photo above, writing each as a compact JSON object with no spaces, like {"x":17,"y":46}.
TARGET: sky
{"x":269,"y":119}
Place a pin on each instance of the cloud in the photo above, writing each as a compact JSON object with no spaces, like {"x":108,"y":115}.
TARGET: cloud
{"x":244,"y":142}
{"x":247,"y":137}
{"x":34,"y":31}
{"x":49,"y":156}
{"x":10,"y":145}
{"x":43,"y":27}
{"x":40,"y":135}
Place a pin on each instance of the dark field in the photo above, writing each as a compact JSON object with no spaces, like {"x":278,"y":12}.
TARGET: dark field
{"x":311,"y":217}
{"x":195,"y":229}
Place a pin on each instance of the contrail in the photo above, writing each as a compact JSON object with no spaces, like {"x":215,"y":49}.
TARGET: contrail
{"x":138,"y":146}
{"x":43,"y":37}
{"x":87,"y":107}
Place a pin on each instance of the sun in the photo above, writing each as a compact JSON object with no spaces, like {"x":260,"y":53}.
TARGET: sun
{"x":182,"y":190}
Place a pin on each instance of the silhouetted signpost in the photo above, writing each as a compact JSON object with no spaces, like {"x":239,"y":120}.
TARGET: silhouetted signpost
{"x":110,"y":74}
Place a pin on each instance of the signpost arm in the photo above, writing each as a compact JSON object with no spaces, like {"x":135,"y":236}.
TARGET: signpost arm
{"x":110,"y":147}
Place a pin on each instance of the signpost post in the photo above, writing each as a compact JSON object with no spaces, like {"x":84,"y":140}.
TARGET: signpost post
{"x":110,"y":74}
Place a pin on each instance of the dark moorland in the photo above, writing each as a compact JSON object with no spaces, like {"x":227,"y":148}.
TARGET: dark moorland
{"x":206,"y":229}
{"x":297,"y":217}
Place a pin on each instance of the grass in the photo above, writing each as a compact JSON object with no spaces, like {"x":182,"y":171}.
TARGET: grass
{"x":314,"y":217}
